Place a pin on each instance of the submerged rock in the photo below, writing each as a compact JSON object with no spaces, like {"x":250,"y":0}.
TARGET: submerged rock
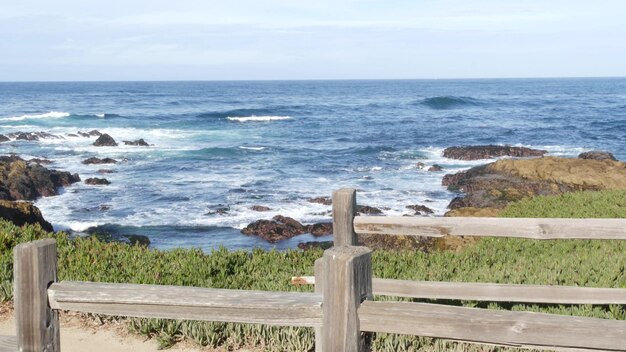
{"x":260,"y":208}
{"x":478,"y":152}
{"x":94,"y":133}
{"x":21,"y":180}
{"x":435,"y":168}
{"x":97,"y":161}
{"x":105,"y":141}
{"x":21,"y":213}
{"x":138,"y":142}
{"x":367,"y":210}
{"x":4,"y":138}
{"x":321,"y":200}
{"x":95,"y":181}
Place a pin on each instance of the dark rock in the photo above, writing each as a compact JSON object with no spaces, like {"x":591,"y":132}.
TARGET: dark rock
{"x":220,"y":210}
{"x":435,"y":167}
{"x":277,"y":229}
{"x":367,"y":210}
{"x":104,"y":207}
{"x":95,"y":181}
{"x":420,"y":165}
{"x":94,"y":133}
{"x":105,"y":171}
{"x":457,"y":202}
{"x":138,"y":240}
{"x":27,"y":181}
{"x":420,"y":209}
{"x":83,"y":134}
{"x":320,"y":229}
{"x":4,"y":138}
{"x":597,"y":155}
{"x":321,"y":200}
{"x":105,"y":141}
{"x":21,"y":213}
{"x":94,"y":160}
{"x":260,"y":208}
{"x":32,"y":136}
{"x":478,"y":152}
{"x":72,"y":135}
{"x":139,"y":142}
{"x":323,"y":245}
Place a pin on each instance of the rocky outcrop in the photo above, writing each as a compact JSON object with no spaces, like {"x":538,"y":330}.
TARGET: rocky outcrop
{"x":98,"y":161}
{"x":597,"y":155}
{"x":478,"y":152}
{"x":95,"y":181}
{"x":420,"y":209}
{"x":138,"y":143}
{"x":499,"y":183}
{"x":283,"y":227}
{"x":21,"y":180}
{"x":105,"y":141}
{"x":260,"y":208}
{"x":94,"y":133}
{"x":367,"y":210}
{"x":21,"y":213}
{"x":4,"y":138}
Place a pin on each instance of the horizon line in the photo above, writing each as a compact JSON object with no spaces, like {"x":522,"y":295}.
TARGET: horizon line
{"x":314,"y":79}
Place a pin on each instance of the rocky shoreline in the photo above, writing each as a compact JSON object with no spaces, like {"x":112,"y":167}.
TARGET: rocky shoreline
{"x":518,"y":173}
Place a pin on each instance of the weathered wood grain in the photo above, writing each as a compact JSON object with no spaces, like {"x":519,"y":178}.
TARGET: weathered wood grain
{"x":8,"y":344}
{"x":347,"y":283}
{"x":472,"y":291}
{"x":319,"y":269}
{"x":178,"y":302}
{"x":523,"y":329}
{"x":540,"y":229}
{"x":37,"y":325}
{"x":344,"y":210}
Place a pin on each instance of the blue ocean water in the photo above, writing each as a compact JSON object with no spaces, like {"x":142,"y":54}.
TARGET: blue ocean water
{"x":279,"y":143}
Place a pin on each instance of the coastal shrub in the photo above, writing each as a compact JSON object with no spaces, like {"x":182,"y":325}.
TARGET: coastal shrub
{"x":499,"y":260}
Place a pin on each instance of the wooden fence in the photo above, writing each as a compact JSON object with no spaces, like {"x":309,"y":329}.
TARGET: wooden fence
{"x":342,"y":310}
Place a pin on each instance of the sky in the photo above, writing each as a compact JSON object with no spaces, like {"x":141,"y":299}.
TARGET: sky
{"x":78,"y":40}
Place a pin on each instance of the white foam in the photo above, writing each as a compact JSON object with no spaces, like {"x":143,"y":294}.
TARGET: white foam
{"x":254,"y":118}
{"x":100,"y":115}
{"x":47,"y":115}
{"x":252,"y":148}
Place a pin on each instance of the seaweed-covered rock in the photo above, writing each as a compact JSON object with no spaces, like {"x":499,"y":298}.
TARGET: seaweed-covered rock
{"x":321,"y":200}
{"x":420,"y":209}
{"x":368,"y":210}
{"x":277,"y":229}
{"x":477,"y":152}
{"x":320,"y":229}
{"x":260,"y":208}
{"x":496,"y":184}
{"x":21,"y":180}
{"x":105,"y":141}
{"x":435,"y":168}
{"x":21,"y":213}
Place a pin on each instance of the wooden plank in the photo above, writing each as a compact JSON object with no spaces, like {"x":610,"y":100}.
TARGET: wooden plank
{"x":522,"y":329}
{"x":8,"y":344}
{"x":179,"y":302}
{"x":540,"y":229}
{"x":344,"y":210}
{"x":472,"y":291}
{"x":347,"y":283}
{"x":499,"y":292}
{"x":319,"y":269}
{"x":37,"y":325}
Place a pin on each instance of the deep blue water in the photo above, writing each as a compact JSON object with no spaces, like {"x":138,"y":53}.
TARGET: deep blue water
{"x":279,"y":143}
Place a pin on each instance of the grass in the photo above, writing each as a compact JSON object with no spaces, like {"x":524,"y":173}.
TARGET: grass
{"x":559,"y":262}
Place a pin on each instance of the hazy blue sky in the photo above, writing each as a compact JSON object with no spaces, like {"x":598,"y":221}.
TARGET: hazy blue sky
{"x":310,"y":39}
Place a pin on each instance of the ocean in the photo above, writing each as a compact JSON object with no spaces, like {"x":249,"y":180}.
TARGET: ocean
{"x":219,"y":148}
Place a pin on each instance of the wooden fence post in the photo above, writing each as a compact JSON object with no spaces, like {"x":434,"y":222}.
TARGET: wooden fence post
{"x":347,"y":282}
{"x":344,"y":210}
{"x":319,"y":288}
{"x":37,"y":324}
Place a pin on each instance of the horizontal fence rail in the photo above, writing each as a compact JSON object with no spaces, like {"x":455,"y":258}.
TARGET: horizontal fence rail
{"x":538,"y":229}
{"x":474,"y":291}
{"x":520,"y":329}
{"x":178,"y":302}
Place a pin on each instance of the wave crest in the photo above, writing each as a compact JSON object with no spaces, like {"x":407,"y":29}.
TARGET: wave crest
{"x":254,"y":118}
{"x":449,"y":102}
{"x":47,"y":115}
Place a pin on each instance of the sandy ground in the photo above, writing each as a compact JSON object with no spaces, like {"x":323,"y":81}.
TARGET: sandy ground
{"x":79,"y":335}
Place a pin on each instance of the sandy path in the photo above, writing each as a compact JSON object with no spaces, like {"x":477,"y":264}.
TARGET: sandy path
{"x":78,"y":336}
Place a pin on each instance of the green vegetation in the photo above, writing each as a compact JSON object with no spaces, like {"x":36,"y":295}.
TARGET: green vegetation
{"x":570,"y":262}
